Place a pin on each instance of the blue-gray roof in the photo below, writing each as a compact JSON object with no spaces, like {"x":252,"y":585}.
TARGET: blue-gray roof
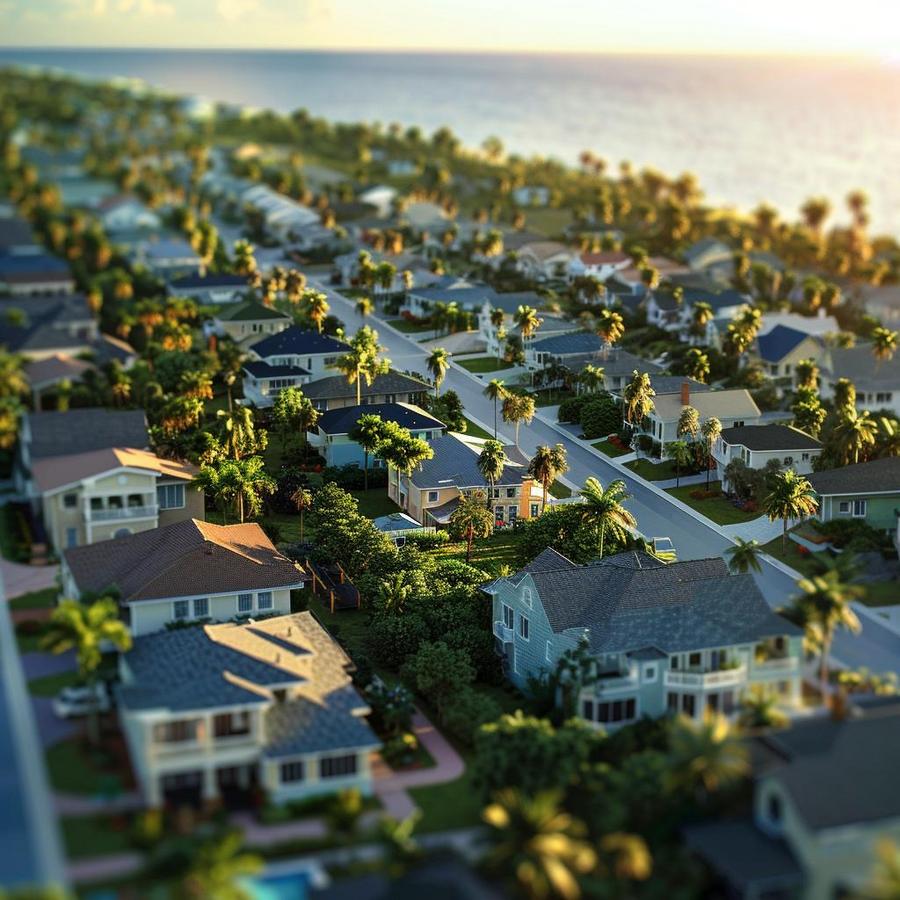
{"x":565,"y":344}
{"x":208,"y":281}
{"x":777,"y":343}
{"x":343,"y":419}
{"x":297,"y":341}
{"x":259,"y":369}
{"x":471,"y":296}
{"x":455,"y":463}
{"x":398,"y":521}
{"x":509,"y":303}
{"x":32,"y":264}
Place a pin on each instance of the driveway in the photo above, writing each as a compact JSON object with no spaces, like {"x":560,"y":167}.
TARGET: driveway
{"x":20,"y":579}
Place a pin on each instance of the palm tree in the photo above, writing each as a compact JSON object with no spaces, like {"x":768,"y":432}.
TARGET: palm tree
{"x":471,"y":519}
{"x":701,"y":316}
{"x":591,"y":378}
{"x":610,"y":326}
{"x":759,"y":709}
{"x":791,"y":497}
{"x":705,"y":756}
{"x":85,"y":629}
{"x":518,"y":408}
{"x":602,"y":509}
{"x":680,"y":453}
{"x":217,"y":869}
{"x":710,"y":431}
{"x":247,"y":481}
{"x":438,"y":363}
{"x":369,"y":434}
{"x":688,"y":423}
{"x":491,"y":462}
{"x":527,"y":319}
{"x":854,"y":433}
{"x":316,"y":308}
{"x":240,"y":430}
{"x":638,"y":396}
{"x":696,"y":365}
{"x":496,"y":391}
{"x":744,"y":556}
{"x":302,"y":499}
{"x":244,"y":260}
{"x":825,"y":602}
{"x":364,"y":307}
{"x":404,"y":452}
{"x":294,"y":286}
{"x":344,"y":812}
{"x":400,"y":847}
{"x":547,"y":464}
{"x":885,"y":882}
{"x":545,"y":848}
{"x":806,"y":374}
{"x":844,"y":395}
{"x":884,"y":344}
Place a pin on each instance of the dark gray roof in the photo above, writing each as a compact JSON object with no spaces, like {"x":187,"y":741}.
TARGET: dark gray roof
{"x":14,"y":232}
{"x":566,"y":344}
{"x":297,"y":340}
{"x":620,"y":362}
{"x":671,"y":384}
{"x":343,"y":419}
{"x":860,"y":366}
{"x":469,"y":296}
{"x":249,"y":311}
{"x":393,"y":522}
{"x":34,"y":267}
{"x":336,"y":387}
{"x":259,"y":369}
{"x":811,"y":760}
{"x":509,"y":303}
{"x":455,"y":463}
{"x":192,"y":282}
{"x":770,"y":437}
{"x":743,"y":855}
{"x":633,"y":601}
{"x":878,"y":476}
{"x":83,"y":430}
{"x":46,"y":323}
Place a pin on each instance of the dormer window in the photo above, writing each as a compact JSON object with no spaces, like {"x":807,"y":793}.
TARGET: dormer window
{"x":526,"y":597}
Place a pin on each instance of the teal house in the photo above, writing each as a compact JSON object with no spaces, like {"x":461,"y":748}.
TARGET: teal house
{"x":682,"y":637}
{"x":868,"y":491}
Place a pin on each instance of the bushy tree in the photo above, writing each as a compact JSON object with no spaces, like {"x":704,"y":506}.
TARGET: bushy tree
{"x":439,"y":673}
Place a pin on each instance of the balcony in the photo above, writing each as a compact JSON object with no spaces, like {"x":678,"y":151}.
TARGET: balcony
{"x":699,"y":679}
{"x":615,"y":681}
{"x":776,"y":665}
{"x":502,"y":633}
{"x":116,"y":514}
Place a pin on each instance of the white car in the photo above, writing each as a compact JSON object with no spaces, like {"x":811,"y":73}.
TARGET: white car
{"x":80,"y":699}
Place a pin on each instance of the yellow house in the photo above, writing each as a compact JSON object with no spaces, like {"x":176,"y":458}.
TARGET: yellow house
{"x":246,"y":323}
{"x":826,"y":794}
{"x":89,"y":497}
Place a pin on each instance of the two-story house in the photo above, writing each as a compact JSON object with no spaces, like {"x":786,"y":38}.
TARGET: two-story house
{"x":543,"y":260}
{"x":432,"y":491}
{"x":335,"y":392}
{"x":780,"y":349}
{"x":868,"y":491}
{"x":682,"y":637}
{"x":824,"y":797}
{"x":214,"y":288}
{"x":758,"y":445}
{"x":217,"y":713}
{"x":33,"y":273}
{"x":333,"y":438}
{"x":185,"y":572}
{"x":877,"y":381}
{"x":602,"y":265}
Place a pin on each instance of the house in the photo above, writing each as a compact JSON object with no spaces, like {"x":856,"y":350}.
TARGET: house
{"x":16,"y":236}
{"x":665,"y":310}
{"x":284,"y":218}
{"x":531,"y":195}
{"x":733,"y":408}
{"x":169,"y":258}
{"x":333,"y":440}
{"x":543,"y":260}
{"x":780,"y":349}
{"x":619,"y":366}
{"x":111,"y":493}
{"x":248,"y":321}
{"x":882,"y":302}
{"x":551,"y":326}
{"x":684,"y":637}
{"x":125,"y":214}
{"x":398,"y":527}
{"x":420,"y":302}
{"x":335,"y":392}
{"x":668,"y":269}
{"x":817,"y":326}
{"x":562,"y":349}
{"x":210,"y":289}
{"x":507,"y":303}
{"x":288,"y":358}
{"x":188,"y":571}
{"x":706,"y":252}
{"x":381,"y":197}
{"x":48,"y":325}
{"x":218,"y":713}
{"x":877,"y":381}
{"x":758,"y":445}
{"x":869,"y":491}
{"x":52,"y":372}
{"x":432,"y":491}
{"x":810,"y":835}
{"x":601,"y":266}
{"x":28,"y":274}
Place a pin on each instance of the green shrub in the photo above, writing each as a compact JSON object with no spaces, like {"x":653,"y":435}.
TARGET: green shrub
{"x":570,"y":409}
{"x":601,"y":416}
{"x":467,"y":712}
{"x":428,"y":540}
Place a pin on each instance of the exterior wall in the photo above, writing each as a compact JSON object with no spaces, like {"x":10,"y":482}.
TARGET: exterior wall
{"x":313,"y":784}
{"x":339,"y":450}
{"x":881,"y":510}
{"x":785,"y":367}
{"x":801,"y":461}
{"x":194,"y":506}
{"x":666,"y":432}
{"x":242,"y":331}
{"x":148,"y":616}
{"x":259,"y":391}
{"x":415,"y":398}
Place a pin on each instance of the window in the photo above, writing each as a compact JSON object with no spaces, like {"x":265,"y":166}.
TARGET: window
{"x":170,"y":496}
{"x":728,"y":702}
{"x":535,"y":510}
{"x":180,"y":609}
{"x":526,"y":596}
{"x":617,"y":711}
{"x":523,"y":627}
{"x":175,"y":732}
{"x":773,"y":808}
{"x":337,"y":766}
{"x":650,"y":672}
{"x":432,"y":496}
{"x":712,"y":702}
{"x":264,"y":599}
{"x":231,"y":724}
{"x":672,"y":702}
{"x":548,"y":652}
{"x":70,"y":501}
{"x":513,"y":513}
{"x":587,"y":710}
{"x":688,"y":704}
{"x":245,"y":603}
{"x":292,"y":771}
{"x":498,"y":513}
{"x":859,"y":508}
{"x":674,"y":662}
{"x":789,"y":460}
{"x":509,"y":617}
{"x":844,"y":506}
{"x":510,"y":492}
{"x":201,"y":607}
{"x":804,"y":457}
{"x":694,"y":660}
{"x":739,"y":423}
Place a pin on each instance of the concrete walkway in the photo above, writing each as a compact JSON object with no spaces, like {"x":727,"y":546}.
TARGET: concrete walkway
{"x":21,"y":579}
{"x":761,"y":529}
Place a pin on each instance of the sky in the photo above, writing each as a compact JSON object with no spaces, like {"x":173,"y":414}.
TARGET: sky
{"x":868,"y":28}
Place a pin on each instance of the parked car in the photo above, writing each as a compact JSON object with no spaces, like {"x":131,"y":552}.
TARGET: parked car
{"x":76,"y":700}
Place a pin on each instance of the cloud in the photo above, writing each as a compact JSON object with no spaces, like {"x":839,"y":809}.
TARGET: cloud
{"x":235,"y":10}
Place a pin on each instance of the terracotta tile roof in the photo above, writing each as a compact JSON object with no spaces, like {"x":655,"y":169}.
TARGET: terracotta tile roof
{"x":189,"y":558}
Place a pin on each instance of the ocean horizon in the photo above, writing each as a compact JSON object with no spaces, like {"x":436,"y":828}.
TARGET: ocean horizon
{"x":753,"y":129}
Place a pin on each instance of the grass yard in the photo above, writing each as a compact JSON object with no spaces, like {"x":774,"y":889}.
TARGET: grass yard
{"x":45,"y":599}
{"x":547,"y":220}
{"x":477,"y":430}
{"x":482,"y":364}
{"x":76,"y":769}
{"x":375,"y":502}
{"x":550,"y":396}
{"x":804,"y":562}
{"x":717,"y":508}
{"x":501,"y":547}
{"x":456,"y":804}
{"x":653,"y":471}
{"x":87,"y":836}
{"x":408,"y":327}
{"x":882,"y":593}
{"x":608,"y":449}
{"x":560,"y":491}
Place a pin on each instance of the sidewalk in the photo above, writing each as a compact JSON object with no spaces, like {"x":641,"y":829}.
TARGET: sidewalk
{"x":21,"y":579}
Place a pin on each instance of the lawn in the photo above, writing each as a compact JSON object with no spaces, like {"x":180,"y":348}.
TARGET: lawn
{"x":408,"y":327}
{"x":481,"y":364}
{"x":375,"y":502}
{"x":717,"y":508}
{"x":547,"y":220}
{"x":45,"y":599}
{"x":794,"y":556}
{"x":501,"y":547}
{"x":86,"y":836}
{"x":76,"y":769}
{"x":455,"y":804}
{"x":560,"y":491}
{"x":477,"y":430}
{"x":608,"y":449}
{"x":653,"y":471}
{"x":882,"y":593}
{"x":550,"y":396}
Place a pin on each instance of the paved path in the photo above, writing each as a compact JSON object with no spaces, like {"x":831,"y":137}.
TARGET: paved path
{"x":658,"y":513}
{"x":104,"y":868}
{"x":761,"y":529}
{"x":20,"y":579}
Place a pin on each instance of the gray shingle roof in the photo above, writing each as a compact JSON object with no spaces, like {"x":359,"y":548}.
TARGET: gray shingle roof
{"x":259,"y":369}
{"x":84,"y":430}
{"x":770,"y":437}
{"x":877,"y":476}
{"x":343,"y":419}
{"x":297,"y":340}
{"x":860,"y":366}
{"x":565,"y":344}
{"x":336,"y":387}
{"x":633,"y":601}
{"x":250,"y":311}
{"x":45,"y":324}
{"x":455,"y":463}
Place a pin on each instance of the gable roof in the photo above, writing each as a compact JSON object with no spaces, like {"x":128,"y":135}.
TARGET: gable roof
{"x":543,"y":251}
{"x":880,"y":476}
{"x":860,"y":366}
{"x":43,"y":323}
{"x":296,"y":341}
{"x":259,"y":369}
{"x":573,"y":342}
{"x":734,"y":403}
{"x":770,"y":437}
{"x":633,"y":601}
{"x":398,"y":521}
{"x":54,"y":434}
{"x":249,"y":311}
{"x":335,"y":387}
{"x":15,"y":231}
{"x":455,"y":464}
{"x":510,"y":302}
{"x":31,"y":267}
{"x":343,"y":419}
{"x":189,"y":558}
{"x":777,"y":343}
{"x":55,"y":367}
{"x":605,"y":258}
{"x":189,"y":282}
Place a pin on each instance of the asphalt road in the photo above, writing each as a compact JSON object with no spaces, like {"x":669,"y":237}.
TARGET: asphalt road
{"x":877,"y":648}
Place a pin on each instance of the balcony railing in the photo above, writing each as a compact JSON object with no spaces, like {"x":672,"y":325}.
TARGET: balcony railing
{"x":502,"y":633}
{"x":719,"y":678}
{"x":126,"y":512}
{"x":776,"y":664}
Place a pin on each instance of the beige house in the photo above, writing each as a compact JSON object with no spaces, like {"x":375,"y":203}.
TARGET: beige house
{"x":247,"y":322}
{"x":186,"y":572}
{"x":112,"y":493}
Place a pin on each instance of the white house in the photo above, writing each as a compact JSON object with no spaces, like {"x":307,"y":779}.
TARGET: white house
{"x":125,"y":213}
{"x":758,"y":445}
{"x":877,"y":381}
{"x":598,"y":265}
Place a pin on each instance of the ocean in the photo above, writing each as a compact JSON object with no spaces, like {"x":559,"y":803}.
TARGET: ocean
{"x":752,"y":129}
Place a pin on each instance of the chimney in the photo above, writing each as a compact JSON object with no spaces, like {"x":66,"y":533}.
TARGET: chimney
{"x":685,"y":393}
